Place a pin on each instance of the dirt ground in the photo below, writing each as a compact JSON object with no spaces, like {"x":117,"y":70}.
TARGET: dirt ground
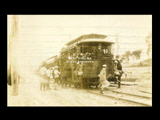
{"x":29,"y":93}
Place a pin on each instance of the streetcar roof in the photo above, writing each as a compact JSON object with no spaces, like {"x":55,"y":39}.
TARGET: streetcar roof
{"x":98,"y":40}
{"x":106,"y":40}
{"x":52,"y":57}
{"x":92,"y":38}
{"x":87,"y":36}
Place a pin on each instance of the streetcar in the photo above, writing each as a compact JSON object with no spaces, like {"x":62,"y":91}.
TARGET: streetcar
{"x":82,"y":59}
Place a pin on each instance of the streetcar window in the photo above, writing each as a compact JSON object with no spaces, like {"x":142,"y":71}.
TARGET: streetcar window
{"x":87,"y":49}
{"x":112,"y":48}
{"x":106,"y":51}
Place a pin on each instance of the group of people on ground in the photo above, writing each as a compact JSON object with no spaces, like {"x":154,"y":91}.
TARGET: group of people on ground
{"x":48,"y":75}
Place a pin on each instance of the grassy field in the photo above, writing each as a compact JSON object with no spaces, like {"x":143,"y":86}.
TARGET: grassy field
{"x":141,"y":73}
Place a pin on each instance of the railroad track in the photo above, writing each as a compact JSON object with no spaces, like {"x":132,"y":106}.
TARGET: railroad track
{"x":145,"y":91}
{"x":136,"y":95}
{"x":126,"y":97}
{"x":134,"y":99}
{"x":148,"y":89}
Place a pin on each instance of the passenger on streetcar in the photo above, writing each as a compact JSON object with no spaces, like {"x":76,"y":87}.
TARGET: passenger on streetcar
{"x":93,"y":56}
{"x":100,"y":53}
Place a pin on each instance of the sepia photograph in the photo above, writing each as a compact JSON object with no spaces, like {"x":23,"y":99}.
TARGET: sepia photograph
{"x":79,"y":60}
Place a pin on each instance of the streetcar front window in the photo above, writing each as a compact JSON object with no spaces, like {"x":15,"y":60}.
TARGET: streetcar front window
{"x":105,"y":51}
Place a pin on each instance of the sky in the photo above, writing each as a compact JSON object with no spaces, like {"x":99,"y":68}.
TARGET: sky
{"x":43,"y":36}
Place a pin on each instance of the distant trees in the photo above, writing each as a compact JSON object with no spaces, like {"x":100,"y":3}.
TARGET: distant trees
{"x":127,"y":54}
{"x":123,"y":56}
{"x":137,"y":54}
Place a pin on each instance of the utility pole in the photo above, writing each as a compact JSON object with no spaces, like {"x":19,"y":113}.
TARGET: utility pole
{"x":11,"y":54}
{"x":117,"y":44}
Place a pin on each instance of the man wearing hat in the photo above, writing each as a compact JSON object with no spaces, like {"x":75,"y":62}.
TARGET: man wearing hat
{"x":100,"y":53}
{"x":103,"y":80}
{"x":119,"y":68}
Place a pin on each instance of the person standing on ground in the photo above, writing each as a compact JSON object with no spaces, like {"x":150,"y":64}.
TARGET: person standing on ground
{"x":48,"y":79}
{"x":80,"y":71}
{"x":56,"y":77}
{"x":51,"y":74}
{"x":102,"y":77}
{"x":43,"y":79}
{"x":119,"y":68}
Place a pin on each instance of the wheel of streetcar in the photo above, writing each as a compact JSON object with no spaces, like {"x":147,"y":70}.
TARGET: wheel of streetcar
{"x":90,"y":86}
{"x":87,"y":85}
{"x":75,"y":85}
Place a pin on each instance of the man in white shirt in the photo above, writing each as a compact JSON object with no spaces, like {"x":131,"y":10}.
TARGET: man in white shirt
{"x":56,"y":77}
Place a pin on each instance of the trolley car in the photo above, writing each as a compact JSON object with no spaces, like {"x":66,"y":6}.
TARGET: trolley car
{"x":82,"y":59}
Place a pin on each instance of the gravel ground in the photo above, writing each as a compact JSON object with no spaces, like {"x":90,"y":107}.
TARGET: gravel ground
{"x":60,"y":97}
{"x":30,"y":95}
